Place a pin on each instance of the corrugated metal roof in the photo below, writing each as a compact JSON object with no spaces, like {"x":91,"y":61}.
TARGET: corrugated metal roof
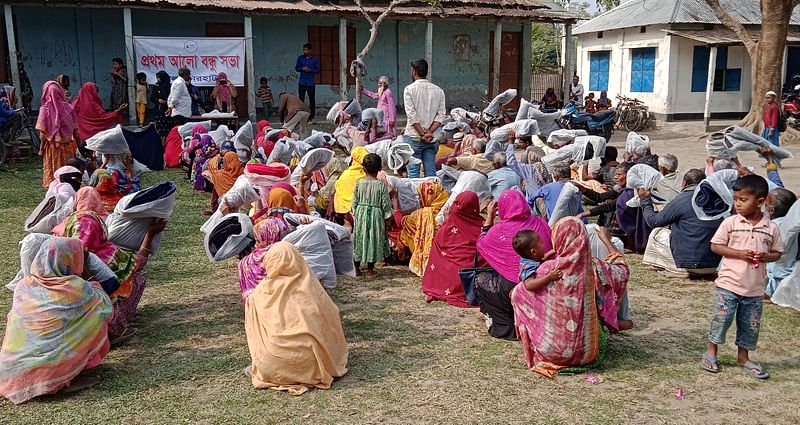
{"x":534,"y":10}
{"x":636,"y":13}
{"x":722,"y":36}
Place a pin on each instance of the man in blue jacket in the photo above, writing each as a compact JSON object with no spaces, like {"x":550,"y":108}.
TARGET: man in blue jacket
{"x":308,"y":67}
{"x":10,"y":120}
{"x":690,"y":237}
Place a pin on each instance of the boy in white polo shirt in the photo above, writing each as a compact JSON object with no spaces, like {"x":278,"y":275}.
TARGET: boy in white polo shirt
{"x":746,"y":241}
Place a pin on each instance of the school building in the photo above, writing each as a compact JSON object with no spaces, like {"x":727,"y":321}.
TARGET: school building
{"x":80,"y":38}
{"x":668,"y":53}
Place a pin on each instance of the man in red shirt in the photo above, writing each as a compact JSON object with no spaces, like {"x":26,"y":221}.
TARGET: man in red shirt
{"x":771,"y":112}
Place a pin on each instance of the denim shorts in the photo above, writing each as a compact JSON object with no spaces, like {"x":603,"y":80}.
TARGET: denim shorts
{"x":746,"y":310}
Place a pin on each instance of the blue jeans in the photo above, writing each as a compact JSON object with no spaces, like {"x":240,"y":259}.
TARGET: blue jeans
{"x":426,"y":152}
{"x":746,"y":310}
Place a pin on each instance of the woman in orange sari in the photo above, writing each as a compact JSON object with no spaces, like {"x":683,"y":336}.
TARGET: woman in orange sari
{"x":419,"y":227}
{"x":58,"y":130}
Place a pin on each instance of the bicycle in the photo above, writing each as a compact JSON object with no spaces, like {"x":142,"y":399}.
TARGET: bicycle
{"x":632,"y":115}
{"x":14,"y":134}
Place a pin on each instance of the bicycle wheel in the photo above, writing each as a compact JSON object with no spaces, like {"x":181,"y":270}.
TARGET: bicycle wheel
{"x":632,"y":120}
{"x":35,"y":141}
{"x":621,"y":117}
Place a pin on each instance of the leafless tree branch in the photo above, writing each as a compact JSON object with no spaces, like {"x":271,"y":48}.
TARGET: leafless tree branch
{"x":736,"y":26}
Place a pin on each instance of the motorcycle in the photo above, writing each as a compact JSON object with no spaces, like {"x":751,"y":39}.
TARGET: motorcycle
{"x":598,"y":124}
{"x":791,"y":106}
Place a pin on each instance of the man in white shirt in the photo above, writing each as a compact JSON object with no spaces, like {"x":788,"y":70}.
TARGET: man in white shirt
{"x":179,"y":102}
{"x":425,"y":112}
{"x":576,"y":91}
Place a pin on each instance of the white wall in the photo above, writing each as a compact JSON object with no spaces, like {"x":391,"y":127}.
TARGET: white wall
{"x":684,"y":101}
{"x":620,"y":43}
{"x":673,"y":73}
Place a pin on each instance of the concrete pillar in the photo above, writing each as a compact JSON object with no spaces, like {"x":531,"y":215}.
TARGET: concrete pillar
{"x":525,"y":85}
{"x":498,"y":53}
{"x":785,"y":66}
{"x":12,"y":48}
{"x":712,"y":62}
{"x":129,"y":61}
{"x":250,"y":66}
{"x":569,"y":64}
{"x":343,"y":65}
{"x":429,"y":48}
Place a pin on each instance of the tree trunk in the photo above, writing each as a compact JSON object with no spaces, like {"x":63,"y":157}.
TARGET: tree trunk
{"x":767,"y":63}
{"x":766,"y":56}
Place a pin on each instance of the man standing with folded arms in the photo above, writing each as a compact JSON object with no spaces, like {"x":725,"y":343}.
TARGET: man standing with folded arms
{"x":425,"y":112}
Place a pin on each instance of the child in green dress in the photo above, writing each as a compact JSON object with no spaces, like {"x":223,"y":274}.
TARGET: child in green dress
{"x":371,"y":207}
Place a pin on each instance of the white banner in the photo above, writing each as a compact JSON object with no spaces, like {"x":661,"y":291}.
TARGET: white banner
{"x":205,"y":57}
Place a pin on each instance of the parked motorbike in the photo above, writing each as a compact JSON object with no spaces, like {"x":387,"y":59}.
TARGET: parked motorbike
{"x":598,"y":124}
{"x":791,"y":106}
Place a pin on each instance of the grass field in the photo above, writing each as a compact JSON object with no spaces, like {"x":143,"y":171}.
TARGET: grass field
{"x":410,"y":362}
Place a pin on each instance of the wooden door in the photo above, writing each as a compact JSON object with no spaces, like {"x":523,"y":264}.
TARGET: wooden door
{"x":510,"y":64}
{"x":231,"y":29}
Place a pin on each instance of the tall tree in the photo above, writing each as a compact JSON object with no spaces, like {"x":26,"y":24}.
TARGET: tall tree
{"x":357,"y":67}
{"x":766,"y":53}
{"x":606,"y":5}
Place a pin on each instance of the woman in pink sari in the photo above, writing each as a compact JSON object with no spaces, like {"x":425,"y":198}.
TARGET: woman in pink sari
{"x":58,"y":130}
{"x":560,"y":325}
{"x":515,"y":215}
{"x":495,"y":246}
{"x":386,"y":103}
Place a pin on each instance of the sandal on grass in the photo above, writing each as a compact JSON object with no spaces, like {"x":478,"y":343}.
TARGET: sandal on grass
{"x":709,"y":363}
{"x":127,"y":334}
{"x":81,"y":383}
{"x":756,"y":370}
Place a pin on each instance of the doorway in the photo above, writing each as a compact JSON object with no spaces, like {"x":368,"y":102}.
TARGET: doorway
{"x":229,"y":29}
{"x":510,"y":64}
{"x":792,"y":62}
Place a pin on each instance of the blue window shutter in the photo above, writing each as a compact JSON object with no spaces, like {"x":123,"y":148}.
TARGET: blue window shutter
{"x":649,"y":70}
{"x":722,"y":57}
{"x":700,"y":68}
{"x":733,"y":79}
{"x":643,"y":69}
{"x":598,"y":70}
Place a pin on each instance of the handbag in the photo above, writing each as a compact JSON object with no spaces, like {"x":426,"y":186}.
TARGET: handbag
{"x":470,"y":276}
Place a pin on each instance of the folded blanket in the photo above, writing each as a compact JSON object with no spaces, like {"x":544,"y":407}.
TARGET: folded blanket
{"x":564,"y":137}
{"x":713,"y":197}
{"x":635,"y":140}
{"x":641,"y":176}
{"x":728,"y":143}
{"x":241,"y":194}
{"x":111,"y":141}
{"x":232,"y":235}
{"x":496,"y":105}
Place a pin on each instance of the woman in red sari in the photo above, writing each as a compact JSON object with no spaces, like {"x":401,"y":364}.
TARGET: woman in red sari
{"x":453,"y":249}
{"x":561,"y":325}
{"x":92,"y":117}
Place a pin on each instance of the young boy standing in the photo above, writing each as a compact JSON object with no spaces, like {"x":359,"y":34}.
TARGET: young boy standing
{"x":141,"y":97}
{"x":264,"y":94}
{"x":746,"y":241}
{"x":771,"y":113}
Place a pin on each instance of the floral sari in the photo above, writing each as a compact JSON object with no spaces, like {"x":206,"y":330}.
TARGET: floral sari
{"x":91,"y":230}
{"x":57,"y":326}
{"x":559,"y":326}
{"x":419,"y":227}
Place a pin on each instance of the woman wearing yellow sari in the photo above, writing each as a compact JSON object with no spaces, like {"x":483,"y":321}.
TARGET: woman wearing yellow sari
{"x":419,"y":227}
{"x":293,"y":328}
{"x":346,"y":185}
